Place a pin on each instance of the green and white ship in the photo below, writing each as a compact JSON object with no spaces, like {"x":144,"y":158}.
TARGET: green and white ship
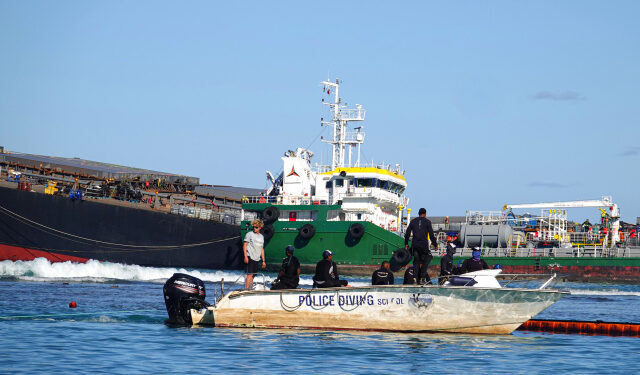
{"x":360,"y":212}
{"x":349,"y":207}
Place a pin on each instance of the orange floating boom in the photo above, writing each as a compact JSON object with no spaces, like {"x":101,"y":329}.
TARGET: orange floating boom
{"x":583,"y":328}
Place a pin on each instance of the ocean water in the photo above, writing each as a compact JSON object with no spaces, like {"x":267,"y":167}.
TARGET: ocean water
{"x":118,"y":328}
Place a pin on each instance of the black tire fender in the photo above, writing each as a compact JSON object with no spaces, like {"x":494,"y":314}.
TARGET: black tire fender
{"x":270,"y":214}
{"x":399,"y":259}
{"x":307,"y":231}
{"x":267,"y":231}
{"x":356,"y":230}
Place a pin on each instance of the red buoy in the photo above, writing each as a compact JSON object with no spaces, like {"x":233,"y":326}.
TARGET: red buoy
{"x":72,"y":305}
{"x":582,"y":327}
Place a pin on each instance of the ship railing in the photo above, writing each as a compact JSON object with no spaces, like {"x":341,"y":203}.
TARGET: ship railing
{"x":239,"y":283}
{"x":596,"y":251}
{"x":370,"y":193}
{"x":352,"y":114}
{"x":286,"y":200}
{"x":519,"y":280}
{"x":524,"y":280}
{"x":227,"y":216}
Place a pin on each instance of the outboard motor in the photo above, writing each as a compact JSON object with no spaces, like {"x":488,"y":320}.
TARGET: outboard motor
{"x":183,"y":292}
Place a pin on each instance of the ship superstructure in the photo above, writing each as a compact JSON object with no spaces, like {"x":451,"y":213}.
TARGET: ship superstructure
{"x":345,"y":191}
{"x":371,"y":193}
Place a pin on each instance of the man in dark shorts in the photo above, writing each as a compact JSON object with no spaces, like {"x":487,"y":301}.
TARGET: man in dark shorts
{"x":422,"y":233}
{"x":289,"y":275}
{"x":253,"y":249}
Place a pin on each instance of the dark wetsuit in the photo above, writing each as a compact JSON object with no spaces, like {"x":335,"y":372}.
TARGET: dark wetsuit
{"x":409,"y":276}
{"x":470,"y":265}
{"x":382,"y":276}
{"x":446,"y":264}
{"x":446,"y":267}
{"x":288,"y":277}
{"x":422,"y":233}
{"x":327,"y":275}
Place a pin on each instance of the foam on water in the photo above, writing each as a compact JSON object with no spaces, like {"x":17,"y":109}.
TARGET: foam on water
{"x":41,"y":269}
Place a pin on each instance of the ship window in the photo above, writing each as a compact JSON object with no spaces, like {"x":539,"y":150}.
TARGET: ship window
{"x":328,"y":185}
{"x":364,"y":182}
{"x":350,"y":182}
{"x":339,"y":182}
{"x":359,"y":216}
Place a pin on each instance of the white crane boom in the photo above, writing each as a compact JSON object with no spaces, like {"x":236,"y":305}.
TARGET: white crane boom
{"x":604,"y":202}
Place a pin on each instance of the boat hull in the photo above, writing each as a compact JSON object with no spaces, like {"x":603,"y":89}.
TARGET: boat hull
{"x":36,"y":225}
{"x":381,"y":308}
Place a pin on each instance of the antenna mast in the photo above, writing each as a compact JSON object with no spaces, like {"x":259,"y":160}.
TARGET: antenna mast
{"x":343,"y":140}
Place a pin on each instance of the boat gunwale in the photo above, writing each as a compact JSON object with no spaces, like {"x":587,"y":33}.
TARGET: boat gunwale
{"x":240,"y":293}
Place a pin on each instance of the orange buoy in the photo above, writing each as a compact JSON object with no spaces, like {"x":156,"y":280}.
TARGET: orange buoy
{"x":582,"y":327}
{"x":72,"y":305}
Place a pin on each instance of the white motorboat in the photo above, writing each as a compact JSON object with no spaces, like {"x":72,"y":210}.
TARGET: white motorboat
{"x":485,"y":307}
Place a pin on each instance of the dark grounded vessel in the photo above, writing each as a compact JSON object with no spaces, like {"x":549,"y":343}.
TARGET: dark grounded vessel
{"x":62,"y":213}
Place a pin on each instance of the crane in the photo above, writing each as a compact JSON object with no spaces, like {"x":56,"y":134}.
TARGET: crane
{"x":606,"y":201}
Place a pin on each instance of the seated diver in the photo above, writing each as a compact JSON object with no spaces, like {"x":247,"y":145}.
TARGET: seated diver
{"x":474,"y":263}
{"x":446,"y":264}
{"x":289,"y":275}
{"x":327,"y":272}
{"x":383,"y":275}
{"x":410,"y":275}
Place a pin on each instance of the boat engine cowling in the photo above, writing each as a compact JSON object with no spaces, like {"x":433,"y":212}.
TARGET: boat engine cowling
{"x":183,"y":292}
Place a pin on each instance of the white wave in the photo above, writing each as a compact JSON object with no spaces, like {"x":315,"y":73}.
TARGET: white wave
{"x":612,"y":292}
{"x":41,"y":269}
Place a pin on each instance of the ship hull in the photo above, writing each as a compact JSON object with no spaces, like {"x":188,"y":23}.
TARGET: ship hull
{"x":36,"y":225}
{"x":375,"y":245}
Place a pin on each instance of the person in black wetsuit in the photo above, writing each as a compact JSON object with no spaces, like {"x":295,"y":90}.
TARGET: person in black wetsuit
{"x":383,"y":275}
{"x":409,"y":275}
{"x":422,"y":233}
{"x":474,"y":263}
{"x":446,"y":263}
{"x":327,"y":273}
{"x":289,"y":275}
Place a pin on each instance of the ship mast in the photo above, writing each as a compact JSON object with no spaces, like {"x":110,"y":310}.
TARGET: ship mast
{"x":343,"y":140}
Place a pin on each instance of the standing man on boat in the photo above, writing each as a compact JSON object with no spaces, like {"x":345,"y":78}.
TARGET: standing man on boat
{"x":422,"y":233}
{"x":289,"y":275}
{"x":253,"y":248}
{"x":383,"y":275}
{"x":327,"y":272}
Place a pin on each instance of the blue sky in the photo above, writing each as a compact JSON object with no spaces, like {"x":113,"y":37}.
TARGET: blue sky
{"x":482,"y":102}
